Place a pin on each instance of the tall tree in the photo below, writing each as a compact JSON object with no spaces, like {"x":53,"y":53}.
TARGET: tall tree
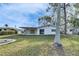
{"x":64,"y":6}
{"x":65,"y":19}
{"x":57,"y":36}
{"x":56,"y":8}
{"x":65,"y":13}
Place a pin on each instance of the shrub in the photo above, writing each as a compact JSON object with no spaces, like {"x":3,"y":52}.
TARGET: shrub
{"x":8,"y":32}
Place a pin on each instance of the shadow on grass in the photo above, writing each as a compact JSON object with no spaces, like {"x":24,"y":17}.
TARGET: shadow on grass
{"x":60,"y":51}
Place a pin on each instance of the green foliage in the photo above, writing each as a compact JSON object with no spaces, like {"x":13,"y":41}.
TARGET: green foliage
{"x":74,"y":18}
{"x":47,"y":18}
{"x":76,"y":5}
{"x":8,"y":32}
{"x":75,"y":22}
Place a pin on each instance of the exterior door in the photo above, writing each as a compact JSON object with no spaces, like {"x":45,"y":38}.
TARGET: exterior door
{"x":41,"y":31}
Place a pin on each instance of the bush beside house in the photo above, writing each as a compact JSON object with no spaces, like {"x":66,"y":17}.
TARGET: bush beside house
{"x":7,"y":31}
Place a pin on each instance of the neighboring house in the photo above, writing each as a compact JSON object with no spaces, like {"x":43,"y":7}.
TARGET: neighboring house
{"x":75,"y":31}
{"x":18,"y":31}
{"x":71,"y":30}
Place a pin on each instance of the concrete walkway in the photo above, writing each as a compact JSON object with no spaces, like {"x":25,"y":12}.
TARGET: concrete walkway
{"x":6,"y":41}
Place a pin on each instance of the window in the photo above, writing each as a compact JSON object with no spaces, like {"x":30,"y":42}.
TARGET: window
{"x":41,"y":31}
{"x":32,"y":31}
{"x":53,"y":23}
{"x":53,"y":30}
{"x":70,"y":29}
{"x":0,"y":29}
{"x":12,"y":29}
{"x":5,"y":29}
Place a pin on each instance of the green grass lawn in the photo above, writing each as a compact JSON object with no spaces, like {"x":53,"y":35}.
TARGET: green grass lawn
{"x":39,"y":46}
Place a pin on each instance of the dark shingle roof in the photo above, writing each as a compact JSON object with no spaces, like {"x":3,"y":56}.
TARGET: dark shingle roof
{"x":29,"y":27}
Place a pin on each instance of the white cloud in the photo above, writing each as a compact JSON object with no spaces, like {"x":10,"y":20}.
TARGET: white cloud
{"x":15,"y":13}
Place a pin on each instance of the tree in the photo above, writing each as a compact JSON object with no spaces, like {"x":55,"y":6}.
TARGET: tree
{"x":64,"y":6}
{"x":75,"y":22}
{"x":6,"y":25}
{"x":65,"y":20}
{"x":66,"y":12}
{"x":57,"y":36}
{"x":45,"y":20}
{"x":56,"y":8}
{"x":74,"y":19}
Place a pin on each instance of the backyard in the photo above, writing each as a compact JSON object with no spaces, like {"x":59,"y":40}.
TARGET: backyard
{"x":39,"y":45}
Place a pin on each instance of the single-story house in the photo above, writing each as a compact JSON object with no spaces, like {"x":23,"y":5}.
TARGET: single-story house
{"x":46,"y":30}
{"x":46,"y":27}
{"x":43,"y":30}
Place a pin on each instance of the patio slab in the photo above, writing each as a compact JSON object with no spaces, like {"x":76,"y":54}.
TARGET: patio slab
{"x":6,"y":41}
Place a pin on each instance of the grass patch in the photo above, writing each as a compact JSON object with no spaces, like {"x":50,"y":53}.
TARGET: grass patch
{"x":39,"y":46}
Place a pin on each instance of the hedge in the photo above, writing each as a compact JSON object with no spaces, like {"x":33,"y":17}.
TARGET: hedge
{"x":8,"y":32}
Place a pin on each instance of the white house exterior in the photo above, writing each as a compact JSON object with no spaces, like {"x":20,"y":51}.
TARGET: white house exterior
{"x":29,"y":30}
{"x":46,"y":30}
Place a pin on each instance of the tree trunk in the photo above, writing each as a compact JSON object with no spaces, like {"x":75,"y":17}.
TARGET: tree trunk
{"x":57,"y":42}
{"x":65,"y":20}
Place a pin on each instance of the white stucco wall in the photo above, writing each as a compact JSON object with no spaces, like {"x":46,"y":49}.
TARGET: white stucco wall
{"x":19,"y":32}
{"x":68,"y":31}
{"x":47,"y":30}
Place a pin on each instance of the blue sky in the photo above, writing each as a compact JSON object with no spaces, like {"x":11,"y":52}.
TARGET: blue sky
{"x":21,"y":14}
